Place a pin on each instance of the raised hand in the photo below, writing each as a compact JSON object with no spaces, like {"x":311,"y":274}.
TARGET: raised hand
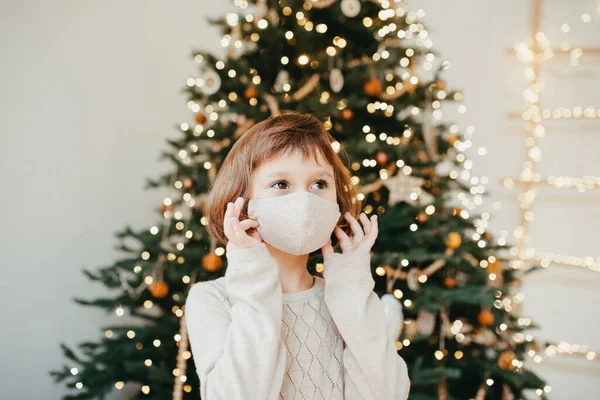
{"x":359,"y":238}
{"x":235,"y":230}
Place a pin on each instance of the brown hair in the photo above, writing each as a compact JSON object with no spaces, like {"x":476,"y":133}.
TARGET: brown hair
{"x":268,"y":139}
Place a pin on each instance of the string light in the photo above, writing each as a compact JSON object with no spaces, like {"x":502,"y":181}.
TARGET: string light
{"x":565,"y":348}
{"x":582,"y":184}
{"x":533,"y":116}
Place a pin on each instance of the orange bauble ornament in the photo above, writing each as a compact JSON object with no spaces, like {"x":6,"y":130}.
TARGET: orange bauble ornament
{"x":409,"y":87}
{"x":486,"y":318}
{"x":164,"y":207}
{"x":449,"y":282}
{"x":187,"y":183}
{"x":200,"y":118}
{"x":211,"y":262}
{"x":422,"y":216}
{"x":441,"y":85}
{"x":347,"y":114}
{"x":381,"y":157}
{"x":495,"y":268}
{"x":159,"y":289}
{"x":250,"y":92}
{"x":451,"y":139}
{"x":505,"y":361}
{"x":373,"y":87}
{"x":453,"y":240}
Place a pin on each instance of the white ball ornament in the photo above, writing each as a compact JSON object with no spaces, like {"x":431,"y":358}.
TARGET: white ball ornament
{"x":350,"y":8}
{"x":394,"y":315}
{"x":336,"y":80}
{"x":212,"y":82}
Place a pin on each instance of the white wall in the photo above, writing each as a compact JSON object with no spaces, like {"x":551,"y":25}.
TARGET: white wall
{"x":91,"y":90}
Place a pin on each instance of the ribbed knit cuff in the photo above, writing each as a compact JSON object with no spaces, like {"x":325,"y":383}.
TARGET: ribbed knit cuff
{"x":353,"y":267}
{"x":247,"y":255}
{"x":252,"y":274}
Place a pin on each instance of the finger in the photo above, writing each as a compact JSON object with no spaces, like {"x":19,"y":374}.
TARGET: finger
{"x":237,"y":228}
{"x":327,"y":249}
{"x":366,"y":223}
{"x":356,"y":229}
{"x":248,"y":223}
{"x":239,"y":202}
{"x":345,"y":242}
{"x":227,"y":227}
{"x":372,"y":236}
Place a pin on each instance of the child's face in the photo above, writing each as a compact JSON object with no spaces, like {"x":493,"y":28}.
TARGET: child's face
{"x":288,"y":174}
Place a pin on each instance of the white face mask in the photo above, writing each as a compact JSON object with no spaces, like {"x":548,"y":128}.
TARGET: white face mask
{"x":296,"y":223}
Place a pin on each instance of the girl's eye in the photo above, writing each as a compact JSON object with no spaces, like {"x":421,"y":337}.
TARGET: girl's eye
{"x":277,"y":183}
{"x":323,"y":183}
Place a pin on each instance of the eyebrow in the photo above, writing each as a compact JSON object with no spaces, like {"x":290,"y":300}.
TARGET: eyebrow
{"x":281,"y":174}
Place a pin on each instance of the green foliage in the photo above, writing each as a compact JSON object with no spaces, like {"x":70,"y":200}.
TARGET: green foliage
{"x":121,"y":356}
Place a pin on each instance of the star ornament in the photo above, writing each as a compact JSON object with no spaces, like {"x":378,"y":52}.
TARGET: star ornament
{"x":403,"y":187}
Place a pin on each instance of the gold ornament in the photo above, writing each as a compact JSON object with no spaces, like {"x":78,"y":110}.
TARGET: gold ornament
{"x":422,"y":217}
{"x":211,"y":262}
{"x":250,"y":92}
{"x":381,"y":157}
{"x":451,"y":139}
{"x":167,"y":207}
{"x":505,"y":361}
{"x":410,"y":87}
{"x":159,"y":289}
{"x":453,"y":240}
{"x":486,"y":318}
{"x":200,"y":118}
{"x":450,"y":282}
{"x":373,"y":86}
{"x":495,"y":268}
{"x":347,"y":114}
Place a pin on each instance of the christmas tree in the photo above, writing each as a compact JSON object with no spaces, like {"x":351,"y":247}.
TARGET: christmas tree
{"x":367,"y":71}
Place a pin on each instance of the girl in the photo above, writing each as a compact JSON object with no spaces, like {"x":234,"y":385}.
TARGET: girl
{"x":269,"y":329}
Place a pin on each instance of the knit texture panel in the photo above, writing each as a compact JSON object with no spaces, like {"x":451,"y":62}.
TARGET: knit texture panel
{"x":314,"y":368}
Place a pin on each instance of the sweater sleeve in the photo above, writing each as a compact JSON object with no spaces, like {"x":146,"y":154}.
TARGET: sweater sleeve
{"x":373,"y":369}
{"x":238,"y":353}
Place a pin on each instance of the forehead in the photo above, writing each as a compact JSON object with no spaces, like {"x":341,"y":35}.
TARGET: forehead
{"x":295,"y":160}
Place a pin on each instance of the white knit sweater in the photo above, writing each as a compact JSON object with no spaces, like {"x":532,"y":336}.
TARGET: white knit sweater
{"x":250,"y":341}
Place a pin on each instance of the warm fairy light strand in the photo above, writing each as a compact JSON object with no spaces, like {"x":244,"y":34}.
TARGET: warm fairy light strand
{"x":529,"y":178}
{"x":533,"y":117}
{"x":565,"y":348}
{"x":582,"y":184}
